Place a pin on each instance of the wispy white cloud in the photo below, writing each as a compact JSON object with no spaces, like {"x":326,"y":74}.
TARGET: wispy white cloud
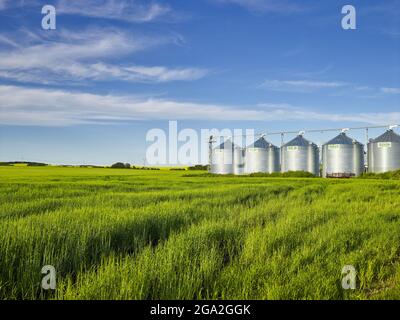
{"x":49,"y":107}
{"x":163,"y":74}
{"x":335,"y":88}
{"x":390,"y":90}
{"x":11,"y":4}
{"x":265,"y":6}
{"x":81,"y":56}
{"x":395,"y":33}
{"x":389,"y":7}
{"x":300,"y":85}
{"x":8,"y":41}
{"x":127,"y":10}
{"x":293,"y":52}
{"x":310,"y":74}
{"x":3,"y":4}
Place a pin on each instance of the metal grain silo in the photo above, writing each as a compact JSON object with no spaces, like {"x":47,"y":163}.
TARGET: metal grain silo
{"x":262,"y":156}
{"x":222,"y":158}
{"x":238,"y":160}
{"x":384,"y":153}
{"x":342,"y":157}
{"x":300,"y":155}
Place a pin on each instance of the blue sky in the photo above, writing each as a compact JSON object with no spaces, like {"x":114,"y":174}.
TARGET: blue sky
{"x":89,"y":91}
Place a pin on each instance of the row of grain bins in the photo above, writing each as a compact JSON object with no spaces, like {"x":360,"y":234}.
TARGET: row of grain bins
{"x":341,"y":157}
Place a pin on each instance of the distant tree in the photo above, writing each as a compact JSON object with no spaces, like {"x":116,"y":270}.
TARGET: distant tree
{"x":127,"y":165}
{"x":198,"y":167}
{"x":118,"y":165}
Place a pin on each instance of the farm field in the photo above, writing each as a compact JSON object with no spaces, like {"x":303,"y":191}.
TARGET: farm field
{"x":133,"y":234}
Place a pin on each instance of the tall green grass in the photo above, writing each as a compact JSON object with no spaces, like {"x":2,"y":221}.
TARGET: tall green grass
{"x":132,"y":234}
{"x":391,"y":175}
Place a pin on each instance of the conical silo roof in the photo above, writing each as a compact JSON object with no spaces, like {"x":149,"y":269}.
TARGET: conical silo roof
{"x":388,"y":136}
{"x":299,"y":141}
{"x":228,"y":144}
{"x":342,"y":138}
{"x":262,"y":144}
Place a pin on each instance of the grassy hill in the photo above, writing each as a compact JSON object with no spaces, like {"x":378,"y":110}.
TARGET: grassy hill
{"x":133,"y":234}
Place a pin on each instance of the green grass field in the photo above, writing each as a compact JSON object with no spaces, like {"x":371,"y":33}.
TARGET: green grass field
{"x":131,"y":234}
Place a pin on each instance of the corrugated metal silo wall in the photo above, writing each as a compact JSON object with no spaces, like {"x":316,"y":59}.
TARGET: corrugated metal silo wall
{"x":383,"y":157}
{"x":343,"y":159}
{"x":300,"y":158}
{"x":222,"y":161}
{"x":261,"y":160}
{"x":238,"y":161}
